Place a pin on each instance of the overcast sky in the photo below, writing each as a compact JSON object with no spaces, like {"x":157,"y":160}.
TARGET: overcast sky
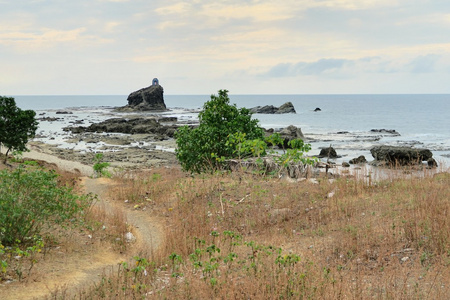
{"x":86,"y":47}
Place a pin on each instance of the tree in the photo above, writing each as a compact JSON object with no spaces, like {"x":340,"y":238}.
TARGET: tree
{"x":207,"y":146}
{"x":17,"y":126}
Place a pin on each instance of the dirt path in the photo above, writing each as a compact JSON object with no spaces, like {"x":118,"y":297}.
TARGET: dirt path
{"x":77,"y":270}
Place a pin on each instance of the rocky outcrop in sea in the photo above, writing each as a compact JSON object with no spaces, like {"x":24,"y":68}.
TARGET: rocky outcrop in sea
{"x":147,"y":99}
{"x":286,"y":108}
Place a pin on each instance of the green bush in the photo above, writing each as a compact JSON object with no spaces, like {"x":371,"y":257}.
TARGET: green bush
{"x":205,"y":148}
{"x":100,"y":167}
{"x":31,"y":201}
{"x":16,"y":126}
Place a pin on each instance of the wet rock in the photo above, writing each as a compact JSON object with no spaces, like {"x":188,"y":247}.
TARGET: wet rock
{"x":317,"y":109}
{"x":432,"y":163}
{"x":63,"y":112}
{"x":128,"y":126}
{"x":328,"y":152}
{"x":359,"y":160}
{"x":389,"y":131}
{"x":345,"y":164}
{"x":49,"y":119}
{"x":394,"y":155}
{"x":286,"y":108}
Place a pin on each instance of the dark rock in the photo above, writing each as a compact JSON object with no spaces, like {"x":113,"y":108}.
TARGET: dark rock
{"x":328,"y":152}
{"x":268,"y":109}
{"x":432,"y":162}
{"x":147,"y":99}
{"x":342,"y":132}
{"x":167,"y":119}
{"x":359,"y":160}
{"x":291,"y":133}
{"x":393,"y":155}
{"x":317,"y":109}
{"x":345,"y":164}
{"x":286,"y":108}
{"x":63,"y":112}
{"x":389,"y":131}
{"x":129,"y":126}
{"x":49,"y":119}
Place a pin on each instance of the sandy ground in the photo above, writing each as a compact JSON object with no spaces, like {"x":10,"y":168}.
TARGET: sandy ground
{"x":75,"y":270}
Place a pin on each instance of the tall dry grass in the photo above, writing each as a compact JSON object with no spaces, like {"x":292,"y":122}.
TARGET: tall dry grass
{"x":238,"y":236}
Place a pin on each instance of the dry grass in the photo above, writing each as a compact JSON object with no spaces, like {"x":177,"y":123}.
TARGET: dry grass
{"x":237,"y":236}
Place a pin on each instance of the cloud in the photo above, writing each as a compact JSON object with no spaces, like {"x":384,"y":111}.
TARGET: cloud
{"x":424,"y":63}
{"x":355,"y":4}
{"x":325,"y":66}
{"x":345,"y":68}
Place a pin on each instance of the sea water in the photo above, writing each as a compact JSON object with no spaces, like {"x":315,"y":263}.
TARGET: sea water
{"x":344,"y":121}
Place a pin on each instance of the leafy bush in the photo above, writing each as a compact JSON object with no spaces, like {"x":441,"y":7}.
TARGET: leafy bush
{"x":100,"y":166}
{"x":16,"y":126}
{"x":205,"y":148}
{"x":31,"y":201}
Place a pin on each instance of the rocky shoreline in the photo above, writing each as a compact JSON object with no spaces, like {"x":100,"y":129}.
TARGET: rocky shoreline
{"x":146,"y":139}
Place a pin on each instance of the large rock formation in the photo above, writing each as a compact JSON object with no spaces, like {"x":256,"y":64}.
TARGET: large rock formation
{"x":130,"y":126}
{"x":147,"y":99}
{"x":400,"y":155}
{"x":286,"y":108}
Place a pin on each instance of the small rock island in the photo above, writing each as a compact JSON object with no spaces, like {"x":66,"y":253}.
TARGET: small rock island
{"x":146,"y":99}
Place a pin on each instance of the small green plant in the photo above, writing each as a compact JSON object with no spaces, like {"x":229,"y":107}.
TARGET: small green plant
{"x":100,"y":167}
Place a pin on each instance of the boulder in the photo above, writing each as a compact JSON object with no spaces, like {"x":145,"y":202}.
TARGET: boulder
{"x":317,"y":109}
{"x":147,"y":99}
{"x":359,"y":160}
{"x":291,"y":133}
{"x":328,"y":152}
{"x":432,"y":163}
{"x":267,"y":109}
{"x":393,"y":155}
{"x":286,"y":108}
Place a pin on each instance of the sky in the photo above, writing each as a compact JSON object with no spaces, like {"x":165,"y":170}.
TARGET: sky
{"x":114,"y":47}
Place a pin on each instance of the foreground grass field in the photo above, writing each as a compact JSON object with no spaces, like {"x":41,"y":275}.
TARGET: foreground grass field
{"x":239,"y":236}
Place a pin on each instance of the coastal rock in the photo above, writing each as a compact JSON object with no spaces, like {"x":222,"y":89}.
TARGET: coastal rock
{"x":129,"y":126}
{"x":345,"y":164}
{"x":432,"y":163}
{"x":393,"y":155}
{"x":328,"y":152}
{"x":359,"y":160}
{"x":317,"y":109}
{"x":286,"y":108}
{"x":389,"y":131}
{"x":63,"y":112}
{"x":49,"y":119}
{"x":147,"y":99}
{"x":291,"y":133}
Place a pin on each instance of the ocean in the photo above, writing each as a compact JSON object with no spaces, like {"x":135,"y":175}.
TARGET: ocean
{"x":344,"y":122}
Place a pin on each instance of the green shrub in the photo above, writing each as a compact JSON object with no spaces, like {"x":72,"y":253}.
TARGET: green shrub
{"x":16,"y":126}
{"x":205,"y":148}
{"x":31,"y":201}
{"x":100,"y":166}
